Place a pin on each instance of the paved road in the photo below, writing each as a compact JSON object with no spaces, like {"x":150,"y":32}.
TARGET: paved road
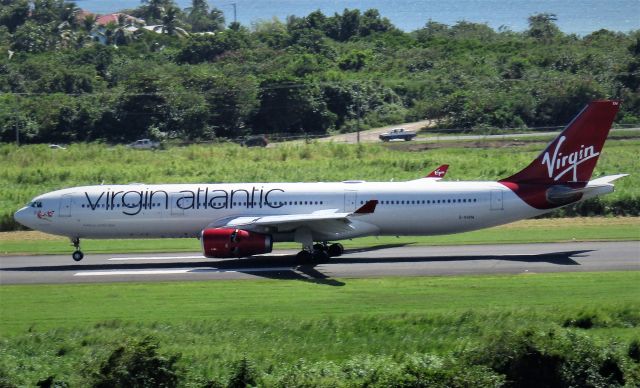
{"x":371,"y":135}
{"x":503,"y":136}
{"x":398,"y":260}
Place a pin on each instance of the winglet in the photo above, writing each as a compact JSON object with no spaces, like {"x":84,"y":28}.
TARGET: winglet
{"x":368,"y":207}
{"x":439,"y":172}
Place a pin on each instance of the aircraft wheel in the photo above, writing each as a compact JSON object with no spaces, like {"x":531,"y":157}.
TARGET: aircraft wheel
{"x":336,"y":250}
{"x":304,"y":257}
{"x":77,"y":255}
{"x":319,"y":247}
{"x":320,"y":256}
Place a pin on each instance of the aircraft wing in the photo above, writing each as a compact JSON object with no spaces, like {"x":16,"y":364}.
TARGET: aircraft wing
{"x":316,"y":220}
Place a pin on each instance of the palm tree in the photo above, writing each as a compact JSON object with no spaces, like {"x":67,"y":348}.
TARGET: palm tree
{"x":89,"y":22}
{"x":171,"y":22}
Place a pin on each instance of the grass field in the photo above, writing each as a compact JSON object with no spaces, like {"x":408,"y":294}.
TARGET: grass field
{"x":527,"y":231}
{"x":31,"y":170}
{"x":335,"y":333}
{"x":54,"y":329}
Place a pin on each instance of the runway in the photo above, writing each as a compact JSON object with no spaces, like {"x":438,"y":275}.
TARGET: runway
{"x":386,"y":260}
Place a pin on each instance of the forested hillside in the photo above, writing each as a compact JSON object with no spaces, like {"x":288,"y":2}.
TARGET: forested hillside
{"x":65,"y":78}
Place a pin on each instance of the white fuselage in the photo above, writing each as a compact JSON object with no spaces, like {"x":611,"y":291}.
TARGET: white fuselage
{"x":422,"y":207}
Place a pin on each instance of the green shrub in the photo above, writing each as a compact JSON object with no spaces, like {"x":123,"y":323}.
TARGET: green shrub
{"x":137,"y":364}
{"x":551,"y":359}
{"x":634,"y":350}
{"x":51,"y":382}
{"x":5,"y":381}
{"x":582,"y":322}
{"x":243,"y":374}
{"x":430,"y":371}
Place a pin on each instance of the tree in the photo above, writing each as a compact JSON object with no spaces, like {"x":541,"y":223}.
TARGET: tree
{"x":371,"y":22}
{"x":286,"y":105}
{"x":32,"y":37}
{"x":272,"y":32}
{"x":170,"y":20}
{"x":354,"y":60}
{"x":343,"y":27}
{"x":13,"y":14}
{"x":48,"y":11}
{"x":89,"y":22}
{"x":140,"y":108}
{"x":201,"y":19}
{"x":205,"y":48}
{"x":542,"y":27}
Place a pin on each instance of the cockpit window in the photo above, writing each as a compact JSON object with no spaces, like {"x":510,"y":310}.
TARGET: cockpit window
{"x":36,"y":204}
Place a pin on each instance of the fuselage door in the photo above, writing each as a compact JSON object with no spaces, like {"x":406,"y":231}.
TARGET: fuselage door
{"x":496,"y":200}
{"x":65,"y":206}
{"x":350,"y":198}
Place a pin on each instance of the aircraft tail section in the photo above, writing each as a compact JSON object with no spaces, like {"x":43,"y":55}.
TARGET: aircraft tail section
{"x":572,"y":156}
{"x":560,"y":174}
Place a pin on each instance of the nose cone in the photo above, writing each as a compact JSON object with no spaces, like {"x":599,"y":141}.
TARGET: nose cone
{"x":22,"y":216}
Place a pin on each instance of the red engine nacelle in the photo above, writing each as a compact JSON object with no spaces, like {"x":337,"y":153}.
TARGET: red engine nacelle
{"x":226,"y":242}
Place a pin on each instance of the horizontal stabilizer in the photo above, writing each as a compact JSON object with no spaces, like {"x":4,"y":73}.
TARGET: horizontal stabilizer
{"x":562,"y":194}
{"x":606,"y":180}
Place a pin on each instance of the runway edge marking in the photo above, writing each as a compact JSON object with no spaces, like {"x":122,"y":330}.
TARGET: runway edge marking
{"x":180,"y":271}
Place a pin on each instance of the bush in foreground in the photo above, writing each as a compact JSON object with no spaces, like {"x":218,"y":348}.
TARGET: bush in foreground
{"x":137,"y":364}
{"x":551,"y":359}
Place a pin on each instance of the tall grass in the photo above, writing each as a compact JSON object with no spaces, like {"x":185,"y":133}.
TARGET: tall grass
{"x":31,"y":170}
{"x":61,"y":329}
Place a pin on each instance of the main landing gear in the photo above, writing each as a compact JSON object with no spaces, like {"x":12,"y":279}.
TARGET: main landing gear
{"x":320,"y":252}
{"x":77,"y":255}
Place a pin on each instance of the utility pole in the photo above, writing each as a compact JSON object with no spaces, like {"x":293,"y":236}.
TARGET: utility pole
{"x":17,"y":122}
{"x":358,"y":135}
{"x":235,"y":12}
{"x":17,"y":132}
{"x":358,"y":114}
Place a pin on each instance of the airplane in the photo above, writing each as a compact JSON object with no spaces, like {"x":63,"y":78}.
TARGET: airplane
{"x":245,"y":219}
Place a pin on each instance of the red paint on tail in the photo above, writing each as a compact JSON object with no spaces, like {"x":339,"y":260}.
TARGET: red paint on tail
{"x":439,"y":172}
{"x":569,"y":160}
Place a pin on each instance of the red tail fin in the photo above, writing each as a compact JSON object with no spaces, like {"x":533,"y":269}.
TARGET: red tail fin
{"x":572,"y":156}
{"x":439,"y":172}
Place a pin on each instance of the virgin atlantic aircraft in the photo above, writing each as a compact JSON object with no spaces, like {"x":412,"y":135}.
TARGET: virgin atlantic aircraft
{"x":244,"y":219}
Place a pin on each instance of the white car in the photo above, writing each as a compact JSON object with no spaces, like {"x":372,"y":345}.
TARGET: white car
{"x":144,"y":144}
{"x":397,"y":134}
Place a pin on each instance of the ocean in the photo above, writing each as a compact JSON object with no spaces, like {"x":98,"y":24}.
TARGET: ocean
{"x":574,"y":16}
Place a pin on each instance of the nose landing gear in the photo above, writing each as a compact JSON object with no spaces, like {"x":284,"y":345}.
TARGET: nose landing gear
{"x":77,"y":255}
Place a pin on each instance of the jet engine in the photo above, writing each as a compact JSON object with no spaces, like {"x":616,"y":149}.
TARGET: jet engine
{"x":228,"y":242}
